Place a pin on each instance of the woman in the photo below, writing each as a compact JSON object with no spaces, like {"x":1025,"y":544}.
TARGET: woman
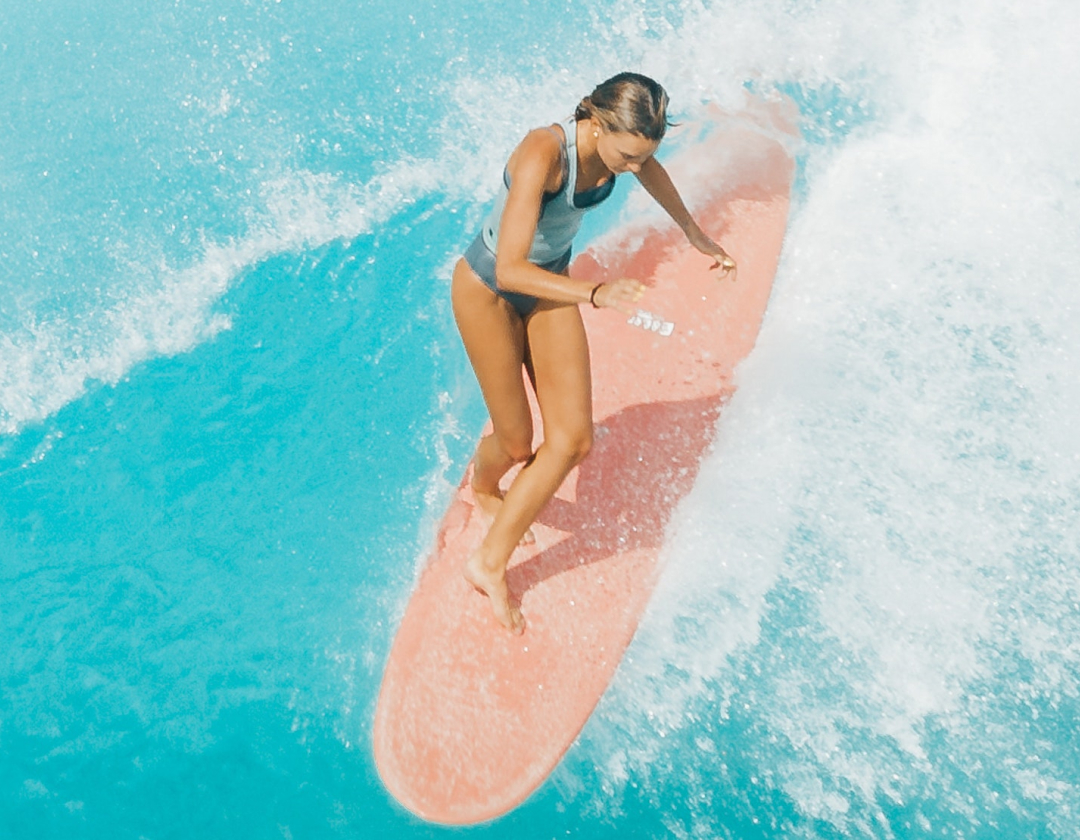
{"x":515,"y":304}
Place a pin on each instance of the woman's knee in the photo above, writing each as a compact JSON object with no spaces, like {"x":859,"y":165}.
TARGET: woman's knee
{"x":571,"y":445}
{"x":518,"y":449}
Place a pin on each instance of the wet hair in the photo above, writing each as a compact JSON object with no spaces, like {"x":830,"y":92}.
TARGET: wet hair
{"x":630,"y":103}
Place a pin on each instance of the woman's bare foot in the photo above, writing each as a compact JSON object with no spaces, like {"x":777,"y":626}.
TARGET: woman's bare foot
{"x":493,"y":584}
{"x":490,"y":503}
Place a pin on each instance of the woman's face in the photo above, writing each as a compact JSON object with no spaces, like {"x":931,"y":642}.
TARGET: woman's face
{"x":624,"y":152}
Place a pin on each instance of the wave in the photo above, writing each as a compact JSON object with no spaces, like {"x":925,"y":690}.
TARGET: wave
{"x":870,"y":598}
{"x":878,"y":566}
{"x":47,"y":362}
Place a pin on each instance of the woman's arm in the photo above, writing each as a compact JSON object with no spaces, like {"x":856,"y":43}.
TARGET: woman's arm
{"x":656,"y":181}
{"x":536,"y":168}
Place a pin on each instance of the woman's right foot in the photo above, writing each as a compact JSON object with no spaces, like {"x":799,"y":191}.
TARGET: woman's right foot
{"x":493,"y":584}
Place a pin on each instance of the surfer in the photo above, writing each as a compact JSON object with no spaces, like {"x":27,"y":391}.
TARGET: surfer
{"x":515,"y":304}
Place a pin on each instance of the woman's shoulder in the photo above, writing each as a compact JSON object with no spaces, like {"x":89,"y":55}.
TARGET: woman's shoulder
{"x":540,"y":151}
{"x":545,"y":142}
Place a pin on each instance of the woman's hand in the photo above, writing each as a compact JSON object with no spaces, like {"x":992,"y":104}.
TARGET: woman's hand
{"x":710,"y":249}
{"x":620,"y":294}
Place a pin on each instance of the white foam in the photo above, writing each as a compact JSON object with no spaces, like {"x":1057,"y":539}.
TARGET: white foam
{"x":49,"y":362}
{"x":901,"y":457}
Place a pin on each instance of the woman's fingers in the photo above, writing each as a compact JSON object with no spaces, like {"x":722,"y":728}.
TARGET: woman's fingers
{"x":724,"y":262}
{"x":622,"y":294}
{"x":726,"y":265}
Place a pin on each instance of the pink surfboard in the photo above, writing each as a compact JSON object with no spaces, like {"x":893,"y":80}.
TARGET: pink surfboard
{"x":471,"y":719}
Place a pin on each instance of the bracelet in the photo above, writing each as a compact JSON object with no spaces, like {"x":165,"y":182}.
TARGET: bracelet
{"x":592,"y":296}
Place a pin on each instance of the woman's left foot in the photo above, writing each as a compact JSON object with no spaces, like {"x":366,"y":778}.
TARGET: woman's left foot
{"x":493,"y":585}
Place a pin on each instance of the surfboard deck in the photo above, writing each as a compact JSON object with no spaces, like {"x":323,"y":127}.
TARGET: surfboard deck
{"x":470,"y":718}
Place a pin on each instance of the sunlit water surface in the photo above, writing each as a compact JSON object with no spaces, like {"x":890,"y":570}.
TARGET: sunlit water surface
{"x":233,"y":406}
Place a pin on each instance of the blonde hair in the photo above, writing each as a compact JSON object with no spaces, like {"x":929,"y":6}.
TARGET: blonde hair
{"x":629,"y":103}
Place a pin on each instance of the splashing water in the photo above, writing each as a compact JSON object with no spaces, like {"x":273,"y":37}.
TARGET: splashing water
{"x":240,"y":219}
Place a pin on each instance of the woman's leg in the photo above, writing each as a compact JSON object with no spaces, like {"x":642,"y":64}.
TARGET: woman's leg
{"x":494,"y":338}
{"x":560,"y":364}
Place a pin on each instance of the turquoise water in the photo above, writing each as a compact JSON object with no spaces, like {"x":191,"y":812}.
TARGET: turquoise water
{"x":233,"y":407}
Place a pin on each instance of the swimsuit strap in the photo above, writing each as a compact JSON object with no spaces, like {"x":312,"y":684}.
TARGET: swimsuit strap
{"x":562,"y":150}
{"x":564,"y":158}
{"x":569,"y":127}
